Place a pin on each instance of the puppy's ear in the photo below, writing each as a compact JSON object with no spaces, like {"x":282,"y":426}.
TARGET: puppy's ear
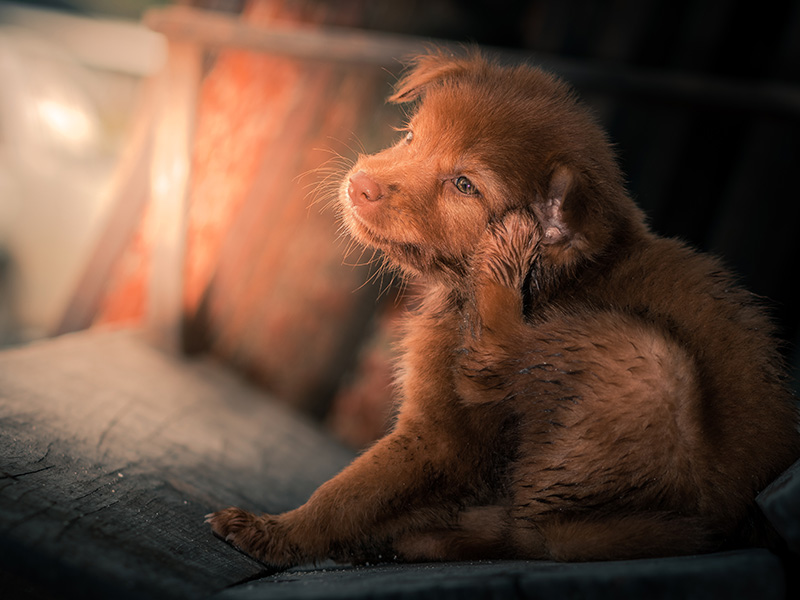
{"x":428,"y":69}
{"x":562,"y":194}
{"x":574,"y":224}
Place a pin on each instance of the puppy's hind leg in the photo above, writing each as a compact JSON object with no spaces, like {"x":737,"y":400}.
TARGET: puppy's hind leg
{"x":479,"y":533}
{"x":625,"y":536}
{"x":491,"y":533}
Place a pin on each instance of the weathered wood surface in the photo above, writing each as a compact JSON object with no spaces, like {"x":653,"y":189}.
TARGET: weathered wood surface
{"x":780,"y":502}
{"x":730,"y":575}
{"x":111,"y":453}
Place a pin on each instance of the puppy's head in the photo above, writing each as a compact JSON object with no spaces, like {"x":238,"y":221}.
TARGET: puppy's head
{"x":485,"y":140}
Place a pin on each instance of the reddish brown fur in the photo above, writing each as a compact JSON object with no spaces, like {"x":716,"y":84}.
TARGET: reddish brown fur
{"x":573,"y":387}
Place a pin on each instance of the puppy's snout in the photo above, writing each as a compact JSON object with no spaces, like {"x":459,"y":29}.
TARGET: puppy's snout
{"x":363,"y":189}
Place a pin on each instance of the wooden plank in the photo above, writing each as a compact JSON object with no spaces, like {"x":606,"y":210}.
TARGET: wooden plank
{"x":780,"y":502}
{"x":174,"y":127}
{"x":111,"y":453}
{"x":739,"y":575}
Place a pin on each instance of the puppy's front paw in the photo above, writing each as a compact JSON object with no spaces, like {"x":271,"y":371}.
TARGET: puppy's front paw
{"x":257,"y":536}
{"x":500,"y":271}
{"x":227,"y":523}
{"x":507,"y":251}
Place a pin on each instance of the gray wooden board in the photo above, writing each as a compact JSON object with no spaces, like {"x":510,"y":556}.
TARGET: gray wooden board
{"x":780,"y":502}
{"x":111,"y":453}
{"x":731,"y":575}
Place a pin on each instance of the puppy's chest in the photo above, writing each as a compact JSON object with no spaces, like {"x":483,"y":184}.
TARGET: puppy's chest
{"x":430,"y":350}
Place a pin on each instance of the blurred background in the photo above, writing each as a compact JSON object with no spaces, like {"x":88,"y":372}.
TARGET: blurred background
{"x":255,"y":108}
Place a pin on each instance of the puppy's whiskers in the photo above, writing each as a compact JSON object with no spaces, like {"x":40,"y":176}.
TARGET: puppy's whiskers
{"x":330,"y":174}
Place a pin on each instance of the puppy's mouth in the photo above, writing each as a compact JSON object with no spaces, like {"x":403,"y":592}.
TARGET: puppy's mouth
{"x":360,"y":211}
{"x":361,"y":229}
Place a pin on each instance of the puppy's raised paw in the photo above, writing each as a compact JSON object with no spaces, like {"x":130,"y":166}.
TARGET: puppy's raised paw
{"x":507,"y":251}
{"x":501,"y":266}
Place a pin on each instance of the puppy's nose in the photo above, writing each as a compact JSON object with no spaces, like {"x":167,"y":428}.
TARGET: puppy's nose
{"x":364,"y":189}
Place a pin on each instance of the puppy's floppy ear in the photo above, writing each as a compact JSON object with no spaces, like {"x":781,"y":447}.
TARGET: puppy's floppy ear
{"x":574,"y":224}
{"x":580,"y":217}
{"x":562,"y":190}
{"x":428,"y":69}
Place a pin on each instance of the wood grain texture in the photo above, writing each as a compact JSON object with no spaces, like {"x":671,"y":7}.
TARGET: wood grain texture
{"x":731,"y":575}
{"x":780,"y":502}
{"x":113,"y":452}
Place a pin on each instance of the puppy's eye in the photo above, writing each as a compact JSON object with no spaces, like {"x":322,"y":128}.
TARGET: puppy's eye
{"x":465,"y":186}
{"x":409,"y":136}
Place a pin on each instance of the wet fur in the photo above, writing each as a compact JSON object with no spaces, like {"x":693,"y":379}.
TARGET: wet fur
{"x":573,"y":387}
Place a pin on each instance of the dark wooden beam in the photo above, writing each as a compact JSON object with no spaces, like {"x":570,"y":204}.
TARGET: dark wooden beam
{"x":355,"y":46}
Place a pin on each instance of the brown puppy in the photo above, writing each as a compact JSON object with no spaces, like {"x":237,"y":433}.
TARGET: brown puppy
{"x":573,"y":387}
